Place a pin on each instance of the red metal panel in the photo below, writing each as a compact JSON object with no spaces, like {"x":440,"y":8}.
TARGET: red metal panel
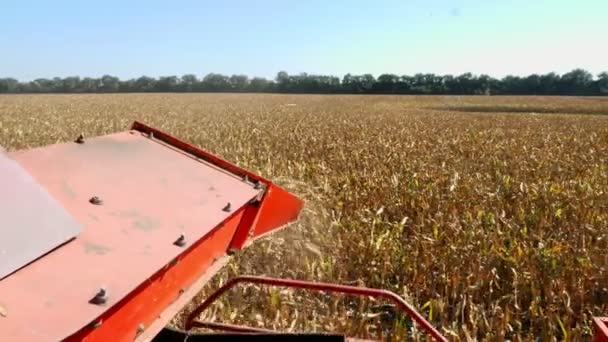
{"x":160,"y":324}
{"x":198,"y":152}
{"x":32,"y":222}
{"x":151,"y":193}
{"x":145,"y":305}
{"x":601,"y":329}
{"x":278,"y":208}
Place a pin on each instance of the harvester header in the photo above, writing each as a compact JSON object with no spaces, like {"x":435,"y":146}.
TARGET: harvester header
{"x":108,"y":238}
{"x":100,"y":236}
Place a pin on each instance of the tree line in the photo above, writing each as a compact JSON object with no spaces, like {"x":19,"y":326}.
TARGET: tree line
{"x":575,"y":82}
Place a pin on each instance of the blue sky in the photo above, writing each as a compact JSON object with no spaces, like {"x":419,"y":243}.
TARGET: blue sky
{"x":259,"y":38}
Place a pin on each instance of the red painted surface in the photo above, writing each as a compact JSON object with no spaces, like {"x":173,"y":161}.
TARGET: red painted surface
{"x":278,"y":206}
{"x":198,"y":152}
{"x":146,"y":303}
{"x":192,"y":320}
{"x":242,"y":234}
{"x":153,"y":190}
{"x":601,"y":329}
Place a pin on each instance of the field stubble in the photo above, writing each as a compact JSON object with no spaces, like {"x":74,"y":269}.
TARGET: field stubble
{"x":493,"y":224}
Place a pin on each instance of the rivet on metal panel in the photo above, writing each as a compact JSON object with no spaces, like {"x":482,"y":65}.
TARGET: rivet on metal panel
{"x":80,"y":139}
{"x":96,"y":200}
{"x":181,"y":241}
{"x":140,"y":328}
{"x":227,"y":208}
{"x":101,"y":297}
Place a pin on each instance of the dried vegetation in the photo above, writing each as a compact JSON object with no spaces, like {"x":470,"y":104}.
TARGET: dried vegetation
{"x":489,"y":217}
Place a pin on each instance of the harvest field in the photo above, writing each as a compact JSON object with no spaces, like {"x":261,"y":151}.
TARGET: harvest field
{"x":488,"y":214}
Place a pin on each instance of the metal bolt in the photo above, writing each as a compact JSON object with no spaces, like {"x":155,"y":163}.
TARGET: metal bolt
{"x":101,"y":297}
{"x":181,"y":241}
{"x":227,"y":208}
{"x":96,"y":200}
{"x":80,"y":139}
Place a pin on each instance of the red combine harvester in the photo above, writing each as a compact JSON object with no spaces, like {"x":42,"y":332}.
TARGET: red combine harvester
{"x":107,"y":238}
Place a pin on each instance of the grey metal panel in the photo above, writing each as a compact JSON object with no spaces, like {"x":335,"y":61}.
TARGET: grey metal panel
{"x":32,"y":222}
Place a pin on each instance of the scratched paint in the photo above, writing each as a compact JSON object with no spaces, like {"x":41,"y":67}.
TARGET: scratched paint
{"x":147,"y":249}
{"x":125,"y":213}
{"x":93,"y":248}
{"x":146,"y":224}
{"x":67,"y":189}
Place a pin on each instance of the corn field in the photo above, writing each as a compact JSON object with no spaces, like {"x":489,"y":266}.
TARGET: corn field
{"x":487,"y":214}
